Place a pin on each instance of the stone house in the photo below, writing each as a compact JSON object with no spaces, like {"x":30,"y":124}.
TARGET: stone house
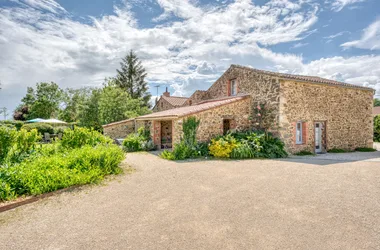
{"x":311,"y":113}
{"x":169,"y":102}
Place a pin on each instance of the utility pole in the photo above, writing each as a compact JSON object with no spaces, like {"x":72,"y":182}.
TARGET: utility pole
{"x":157,"y":86}
{"x":4,"y":111}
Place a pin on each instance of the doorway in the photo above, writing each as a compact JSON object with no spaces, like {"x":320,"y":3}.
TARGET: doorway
{"x":226,"y":126}
{"x":320,"y":138}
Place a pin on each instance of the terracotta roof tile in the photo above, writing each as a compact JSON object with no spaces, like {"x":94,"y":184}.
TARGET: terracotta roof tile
{"x":176,"y":101}
{"x":116,"y":123}
{"x":376,"y":110}
{"x":188,"y":110}
{"x":314,"y":79}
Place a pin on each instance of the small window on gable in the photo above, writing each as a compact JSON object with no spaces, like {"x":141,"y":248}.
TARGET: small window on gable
{"x":162,"y":104}
{"x":233,"y":87}
{"x":299,"y":133}
{"x":190,"y":102}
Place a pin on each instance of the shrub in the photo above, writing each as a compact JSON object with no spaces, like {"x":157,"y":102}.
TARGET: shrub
{"x":337,"y":150}
{"x":190,"y":127}
{"x":376,"y":128}
{"x":242,"y":151}
{"x":42,"y":128}
{"x":272,"y":147}
{"x":49,"y":173}
{"x":79,"y":137}
{"x":304,"y":152}
{"x":168,"y":155}
{"x":365,"y":149}
{"x":12,"y":124}
{"x":132,"y":143}
{"x":60,"y":129}
{"x":7,"y":139}
{"x":223,"y":146}
{"x":139,"y":142}
{"x":24,"y":144}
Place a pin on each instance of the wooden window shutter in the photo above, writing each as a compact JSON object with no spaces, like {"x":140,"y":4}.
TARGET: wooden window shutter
{"x":304,"y":133}
{"x":295,"y":133}
{"x":229,"y":88}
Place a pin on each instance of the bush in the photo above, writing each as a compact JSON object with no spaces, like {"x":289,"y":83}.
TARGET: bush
{"x":223,"y":146}
{"x":304,"y":152}
{"x":79,"y":137}
{"x":272,"y":148}
{"x":42,"y":128}
{"x":12,"y":124}
{"x":168,"y":155}
{"x":7,"y":139}
{"x":338,"y":150}
{"x":132,"y":143}
{"x":60,"y":129}
{"x":242,"y":151}
{"x":139,"y":142}
{"x":49,"y":173}
{"x":365,"y":149}
{"x":24,"y":144}
{"x":376,"y":123}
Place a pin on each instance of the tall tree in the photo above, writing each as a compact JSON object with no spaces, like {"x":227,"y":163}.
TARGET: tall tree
{"x":131,"y":78}
{"x":88,"y":111}
{"x":115,"y":104}
{"x":48,"y":97}
{"x":72,"y":100}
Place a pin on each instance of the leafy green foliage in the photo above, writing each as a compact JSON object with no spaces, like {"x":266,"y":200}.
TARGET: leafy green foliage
{"x":376,"y":128}
{"x":42,"y":128}
{"x":365,"y":149}
{"x":79,"y":137}
{"x":376,"y":102}
{"x":7,"y":138}
{"x":53,"y":172}
{"x":12,"y":124}
{"x":188,"y":146}
{"x":303,"y":153}
{"x":72,"y":101}
{"x":131,"y":78}
{"x":190,"y":127}
{"x":141,"y":141}
{"x":338,"y":150}
{"x":242,"y":151}
{"x":222,"y":147}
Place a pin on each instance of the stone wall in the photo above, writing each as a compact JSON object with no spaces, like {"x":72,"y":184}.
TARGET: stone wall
{"x":263,"y":88}
{"x":211,"y":121}
{"x":162,"y":105}
{"x":119,"y":130}
{"x":347,"y":113}
{"x":196,"y":97}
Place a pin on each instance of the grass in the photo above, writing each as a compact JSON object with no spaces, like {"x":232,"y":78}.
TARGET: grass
{"x":365,"y":149}
{"x":303,"y":153}
{"x":338,"y":150}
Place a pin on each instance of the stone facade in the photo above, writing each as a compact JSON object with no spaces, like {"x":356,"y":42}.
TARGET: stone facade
{"x":162,"y":105}
{"x":345,"y":112}
{"x":211,"y":123}
{"x":119,"y":130}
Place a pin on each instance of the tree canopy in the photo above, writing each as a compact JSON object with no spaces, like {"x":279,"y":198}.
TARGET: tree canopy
{"x":131,"y":78}
{"x":376,"y":102}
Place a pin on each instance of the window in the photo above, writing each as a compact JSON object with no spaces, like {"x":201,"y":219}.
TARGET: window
{"x":162,"y":104}
{"x":190,"y":102}
{"x":299,"y":133}
{"x":233,"y":87}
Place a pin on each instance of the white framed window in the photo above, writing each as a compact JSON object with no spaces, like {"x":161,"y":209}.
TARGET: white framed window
{"x":233,"y":87}
{"x":299,"y":133}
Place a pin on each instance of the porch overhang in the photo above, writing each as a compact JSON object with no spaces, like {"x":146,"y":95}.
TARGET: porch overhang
{"x":156,"y":118}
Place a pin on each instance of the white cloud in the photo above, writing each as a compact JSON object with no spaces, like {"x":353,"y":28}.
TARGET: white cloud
{"x":299,"y":45}
{"x":338,"y":5}
{"x":37,"y":44}
{"x":336,"y":35}
{"x":369,"y":40}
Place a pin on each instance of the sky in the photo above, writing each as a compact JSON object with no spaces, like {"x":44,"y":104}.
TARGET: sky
{"x":184,"y":44}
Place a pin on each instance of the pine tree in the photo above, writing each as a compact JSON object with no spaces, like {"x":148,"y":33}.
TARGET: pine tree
{"x":131,"y":78}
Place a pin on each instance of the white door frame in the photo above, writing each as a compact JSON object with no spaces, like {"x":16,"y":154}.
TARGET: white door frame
{"x":318,"y":144}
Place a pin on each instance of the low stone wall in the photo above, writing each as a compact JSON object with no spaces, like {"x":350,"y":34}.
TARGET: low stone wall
{"x":119,"y":130}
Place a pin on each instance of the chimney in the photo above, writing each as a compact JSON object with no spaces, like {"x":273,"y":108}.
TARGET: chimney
{"x":166,"y":93}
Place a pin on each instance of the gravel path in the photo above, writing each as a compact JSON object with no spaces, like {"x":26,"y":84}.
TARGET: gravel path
{"x":255,"y":204}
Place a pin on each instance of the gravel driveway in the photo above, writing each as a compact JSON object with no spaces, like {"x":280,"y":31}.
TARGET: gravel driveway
{"x":308,"y":203}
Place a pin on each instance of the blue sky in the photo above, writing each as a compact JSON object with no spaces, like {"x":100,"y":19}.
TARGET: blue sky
{"x":184,"y":44}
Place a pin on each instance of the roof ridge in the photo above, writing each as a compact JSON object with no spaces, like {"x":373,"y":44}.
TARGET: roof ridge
{"x":306,"y":78}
